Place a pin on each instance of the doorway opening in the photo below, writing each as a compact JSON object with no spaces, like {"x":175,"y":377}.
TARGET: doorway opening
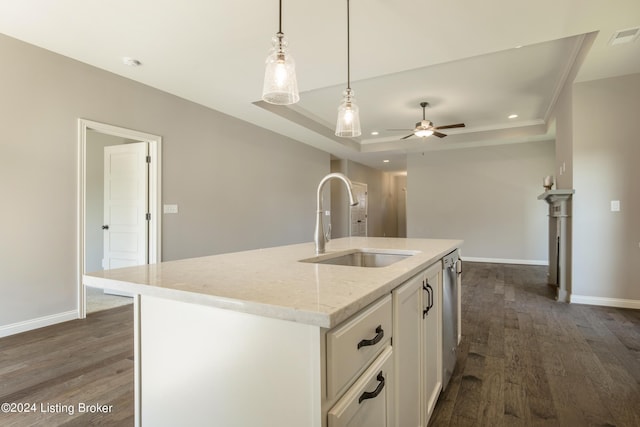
{"x":114,"y":162}
{"x":358,"y":214}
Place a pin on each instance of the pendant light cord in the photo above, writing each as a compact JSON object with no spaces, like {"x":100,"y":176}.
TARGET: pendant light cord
{"x":280,"y":17}
{"x":348,"y":52}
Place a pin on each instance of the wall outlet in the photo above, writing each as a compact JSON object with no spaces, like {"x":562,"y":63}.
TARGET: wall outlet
{"x":170,"y":209}
{"x":615,"y":206}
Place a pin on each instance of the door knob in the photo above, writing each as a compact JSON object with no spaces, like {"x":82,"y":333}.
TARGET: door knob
{"x":105,"y":227}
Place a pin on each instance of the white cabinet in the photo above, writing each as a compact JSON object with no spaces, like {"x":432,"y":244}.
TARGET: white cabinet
{"x":380,"y":367}
{"x":206,"y":366}
{"x":369,"y":401}
{"x":417,"y":343}
{"x":432,"y":340}
{"x":407,"y":330}
{"x":352,"y":346}
{"x":359,"y":369}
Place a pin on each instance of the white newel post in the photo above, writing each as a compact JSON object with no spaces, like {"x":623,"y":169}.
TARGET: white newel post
{"x":558,"y":253}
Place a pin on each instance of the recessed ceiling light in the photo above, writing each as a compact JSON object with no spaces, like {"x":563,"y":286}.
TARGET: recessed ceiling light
{"x":386,"y":161}
{"x":375,"y":132}
{"x":513,"y":116}
{"x":624,"y":36}
{"x":131,"y":62}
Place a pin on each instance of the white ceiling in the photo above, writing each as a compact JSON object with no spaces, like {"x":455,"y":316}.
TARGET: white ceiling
{"x":460,"y":56}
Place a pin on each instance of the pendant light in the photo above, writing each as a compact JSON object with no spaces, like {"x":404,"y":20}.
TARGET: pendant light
{"x":348,"y":124}
{"x":280,"y":85}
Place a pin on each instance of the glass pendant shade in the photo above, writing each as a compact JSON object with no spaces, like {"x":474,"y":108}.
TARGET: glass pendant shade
{"x":348,"y":124}
{"x":280,"y":84}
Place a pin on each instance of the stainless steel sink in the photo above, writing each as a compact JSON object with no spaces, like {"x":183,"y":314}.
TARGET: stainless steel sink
{"x":361,"y":258}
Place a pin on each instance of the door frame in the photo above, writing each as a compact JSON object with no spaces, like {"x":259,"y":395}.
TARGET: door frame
{"x":155,"y":195}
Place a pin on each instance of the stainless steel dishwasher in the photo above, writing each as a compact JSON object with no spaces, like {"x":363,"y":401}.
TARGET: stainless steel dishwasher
{"x":450,"y":314}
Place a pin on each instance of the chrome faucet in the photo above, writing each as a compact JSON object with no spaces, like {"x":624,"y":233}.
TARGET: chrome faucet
{"x":320,"y":238}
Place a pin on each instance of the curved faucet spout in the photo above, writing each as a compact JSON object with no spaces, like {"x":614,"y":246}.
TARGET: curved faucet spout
{"x":319,"y":237}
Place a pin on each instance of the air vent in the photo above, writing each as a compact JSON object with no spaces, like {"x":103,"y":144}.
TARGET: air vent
{"x":624,"y":36}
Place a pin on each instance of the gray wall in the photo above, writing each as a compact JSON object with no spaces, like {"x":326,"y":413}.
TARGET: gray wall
{"x":486,"y":196}
{"x":400,"y":190}
{"x":237,"y":186}
{"x":606,"y":153}
{"x":564,"y":139}
{"x":339,"y":201}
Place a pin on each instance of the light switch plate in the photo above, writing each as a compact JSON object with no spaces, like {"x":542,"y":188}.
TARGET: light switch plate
{"x":615,"y":206}
{"x":170,"y":209}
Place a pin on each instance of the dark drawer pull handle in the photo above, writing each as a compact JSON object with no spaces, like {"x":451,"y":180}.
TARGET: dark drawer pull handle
{"x":427,"y":287}
{"x":375,"y":340}
{"x":372,"y":394}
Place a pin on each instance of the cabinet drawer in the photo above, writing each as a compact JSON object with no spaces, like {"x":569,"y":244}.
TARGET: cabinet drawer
{"x":353,"y":345}
{"x":369,"y":402}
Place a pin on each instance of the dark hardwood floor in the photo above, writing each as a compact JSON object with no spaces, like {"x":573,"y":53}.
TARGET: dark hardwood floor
{"x":524,"y":360}
{"x":60,"y":367}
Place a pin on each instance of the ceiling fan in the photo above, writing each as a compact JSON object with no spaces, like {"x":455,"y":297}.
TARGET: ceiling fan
{"x":425,"y":128}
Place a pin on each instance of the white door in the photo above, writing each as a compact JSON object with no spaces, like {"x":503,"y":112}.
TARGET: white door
{"x":358,"y":225}
{"x":125,"y":205}
{"x":407,"y":348}
{"x":432,"y":340}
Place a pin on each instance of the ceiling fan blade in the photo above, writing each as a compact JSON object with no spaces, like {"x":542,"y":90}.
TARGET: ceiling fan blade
{"x":408,"y":136}
{"x":439,"y":135}
{"x":398,"y":130}
{"x":457,"y":125}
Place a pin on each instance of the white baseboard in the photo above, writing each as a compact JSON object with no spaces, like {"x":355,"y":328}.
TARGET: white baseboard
{"x":40,"y":322}
{"x":604,"y":301}
{"x":506,"y":261}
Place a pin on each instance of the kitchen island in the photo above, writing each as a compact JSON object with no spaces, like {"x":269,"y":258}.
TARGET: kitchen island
{"x":256,"y":337}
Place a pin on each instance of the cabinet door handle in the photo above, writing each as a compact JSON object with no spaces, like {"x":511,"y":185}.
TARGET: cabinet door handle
{"x":375,"y":340}
{"x":373,"y":394}
{"x":427,"y":287}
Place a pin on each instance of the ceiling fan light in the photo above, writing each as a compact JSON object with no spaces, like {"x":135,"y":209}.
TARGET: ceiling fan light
{"x":348,"y":124}
{"x":423,"y":133}
{"x":280,"y":83}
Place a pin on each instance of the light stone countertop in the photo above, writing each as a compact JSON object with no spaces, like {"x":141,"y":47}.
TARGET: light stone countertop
{"x":273,"y":283}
